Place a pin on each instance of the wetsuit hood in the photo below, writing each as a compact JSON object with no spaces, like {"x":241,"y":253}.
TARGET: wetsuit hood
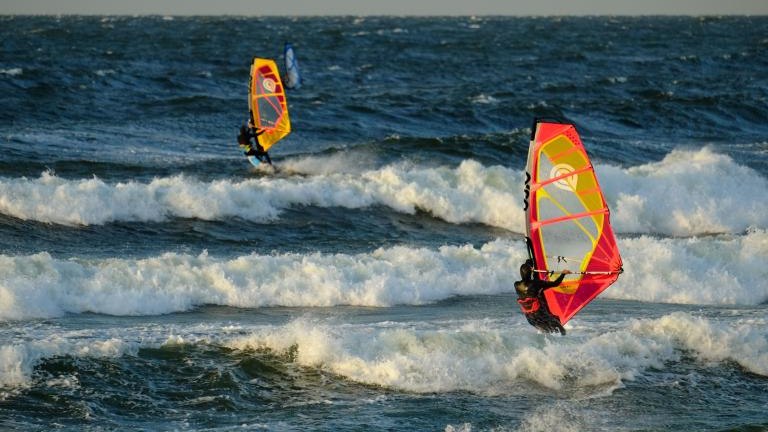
{"x":526,"y":270}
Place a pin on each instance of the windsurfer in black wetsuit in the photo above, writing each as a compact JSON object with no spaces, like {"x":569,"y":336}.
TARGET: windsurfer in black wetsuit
{"x":530,"y":293}
{"x":252,"y":148}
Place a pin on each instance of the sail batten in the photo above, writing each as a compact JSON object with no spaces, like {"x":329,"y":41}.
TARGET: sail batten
{"x":567,"y":216}
{"x":572,"y":217}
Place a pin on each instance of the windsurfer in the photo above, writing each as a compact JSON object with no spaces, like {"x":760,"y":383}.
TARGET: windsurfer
{"x":530,"y":293}
{"x":252,"y":148}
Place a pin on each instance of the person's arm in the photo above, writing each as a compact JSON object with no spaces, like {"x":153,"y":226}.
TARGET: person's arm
{"x":556,"y":282}
{"x":253,"y":132}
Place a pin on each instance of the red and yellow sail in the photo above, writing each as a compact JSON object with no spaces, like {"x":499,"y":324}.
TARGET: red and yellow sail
{"x":567,"y":220}
{"x":267,"y":103}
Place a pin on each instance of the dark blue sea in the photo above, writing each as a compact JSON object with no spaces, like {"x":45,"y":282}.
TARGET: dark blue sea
{"x":152,"y":279}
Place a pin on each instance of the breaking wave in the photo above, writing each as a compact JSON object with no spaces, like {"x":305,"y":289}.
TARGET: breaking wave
{"x":688,"y":193}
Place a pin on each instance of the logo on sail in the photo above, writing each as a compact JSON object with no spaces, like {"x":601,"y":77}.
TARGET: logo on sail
{"x":269,"y":84}
{"x":565,"y":183}
{"x":527,"y":190}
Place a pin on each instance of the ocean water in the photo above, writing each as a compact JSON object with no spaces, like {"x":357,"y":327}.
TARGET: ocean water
{"x":151,"y":279}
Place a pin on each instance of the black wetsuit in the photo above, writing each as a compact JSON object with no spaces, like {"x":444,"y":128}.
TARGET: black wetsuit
{"x":244,"y":139}
{"x":531,"y":298}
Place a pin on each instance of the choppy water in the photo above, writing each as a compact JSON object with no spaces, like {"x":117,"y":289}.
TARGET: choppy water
{"x":150,"y":279}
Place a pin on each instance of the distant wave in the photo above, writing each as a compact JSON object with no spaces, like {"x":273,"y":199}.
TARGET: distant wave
{"x":706,"y":271}
{"x":687,"y":193}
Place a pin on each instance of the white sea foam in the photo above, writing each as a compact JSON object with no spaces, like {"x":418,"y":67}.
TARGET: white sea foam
{"x":465,"y":427}
{"x":27,"y":345}
{"x":42,"y":286}
{"x":11,"y":71}
{"x":87,"y":202}
{"x":18,"y":359}
{"x":468,"y":193}
{"x":494,"y":357}
{"x":484,"y":99}
{"x":745,"y":342}
{"x":489,"y":356}
{"x":688,"y":193}
{"x":707,"y":271}
{"x":557,"y":417}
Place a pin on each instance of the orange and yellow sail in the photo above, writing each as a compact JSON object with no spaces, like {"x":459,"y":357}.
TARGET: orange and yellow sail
{"x":567,"y":220}
{"x":267,"y":103}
